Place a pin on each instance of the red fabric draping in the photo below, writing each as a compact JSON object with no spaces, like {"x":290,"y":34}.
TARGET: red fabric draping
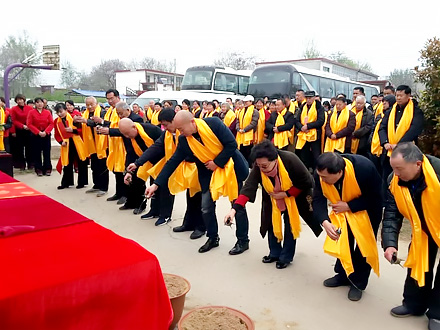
{"x":81,"y":276}
{"x":6,"y":178}
{"x":16,"y":190}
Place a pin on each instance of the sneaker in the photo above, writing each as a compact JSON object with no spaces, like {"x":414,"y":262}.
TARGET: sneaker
{"x":100,"y":193}
{"x":91,"y":190}
{"x":39,"y":173}
{"x":162,"y":221}
{"x":149,"y":215}
{"x":48,"y":172}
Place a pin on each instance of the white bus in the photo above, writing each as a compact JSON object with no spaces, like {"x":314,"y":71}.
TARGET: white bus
{"x":276,"y":80}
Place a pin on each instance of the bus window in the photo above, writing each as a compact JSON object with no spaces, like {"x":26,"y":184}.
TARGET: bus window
{"x":197,"y":79}
{"x":226,"y":82}
{"x":313,"y":80}
{"x":243,"y":83}
{"x":298,"y":82}
{"x":341,"y":87}
{"x":327,"y":89}
{"x":264,"y":77}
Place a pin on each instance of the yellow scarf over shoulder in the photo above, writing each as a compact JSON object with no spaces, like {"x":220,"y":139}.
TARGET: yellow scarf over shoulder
{"x":244,"y":119}
{"x":359,"y":223}
{"x":149,"y":113}
{"x":259,"y":136}
{"x":185,"y":176}
{"x":281,"y":139}
{"x":95,"y":143}
{"x":418,"y":252}
{"x":395,"y":135}
{"x":292,"y":209}
{"x":79,"y":144}
{"x":143,"y":170}
{"x":376,"y":148}
{"x":337,"y":124}
{"x":323,"y":137}
{"x":223,"y":180}
{"x":116,"y":148}
{"x":155,"y":118}
{"x":355,"y":141}
{"x":2,"y":130}
{"x":229,"y":118}
{"x":378,"y":110}
{"x":307,"y":116}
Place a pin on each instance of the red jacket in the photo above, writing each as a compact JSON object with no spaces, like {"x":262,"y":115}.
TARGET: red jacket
{"x":19,"y":116}
{"x":40,"y":122}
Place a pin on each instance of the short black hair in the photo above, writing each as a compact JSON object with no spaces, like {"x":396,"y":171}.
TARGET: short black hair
{"x":259,"y":100}
{"x":343,"y":99}
{"x":70,"y":102}
{"x":404,"y":88}
{"x":19,"y":97}
{"x":2,"y":99}
{"x":198,"y":103}
{"x":374,"y":95}
{"x":228,"y":98}
{"x":158,"y":103}
{"x":360,"y":89}
{"x":38,"y":99}
{"x":211,"y":103}
{"x":345,"y":96}
{"x":167,"y":114}
{"x":112,"y":90}
{"x":409,"y":151}
{"x":391,"y":88}
{"x":326,"y":103}
{"x":330,"y":161}
{"x":30,"y":102}
{"x":264,"y":149}
{"x":60,"y":106}
{"x":300,"y":90}
{"x":286,"y":96}
{"x":186,"y":101}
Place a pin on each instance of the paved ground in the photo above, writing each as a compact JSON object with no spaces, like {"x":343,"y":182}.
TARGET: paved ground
{"x":292,"y":298}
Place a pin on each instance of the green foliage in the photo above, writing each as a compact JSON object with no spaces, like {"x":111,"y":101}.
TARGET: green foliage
{"x":152,"y":64}
{"x":340,"y":57}
{"x":69,"y":75}
{"x":428,"y":73}
{"x":311,"y":51}
{"x":403,"y":77}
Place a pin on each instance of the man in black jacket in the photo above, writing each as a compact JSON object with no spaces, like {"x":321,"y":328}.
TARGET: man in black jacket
{"x":308,"y":143}
{"x":331,"y":169}
{"x":359,"y":141}
{"x":188,"y":128}
{"x":413,"y":192}
{"x":272,"y":129}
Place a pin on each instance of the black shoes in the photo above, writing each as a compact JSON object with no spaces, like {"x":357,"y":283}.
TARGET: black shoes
{"x":282,"y":265}
{"x":269,"y":259}
{"x":180,"y":229}
{"x":210,"y":243}
{"x":80,"y":186}
{"x":354,"y":294}
{"x":335,"y":281}
{"x":196,"y":234}
{"x":62,"y":187}
{"x":121,"y":200}
{"x":113,"y":198}
{"x":125,"y":207}
{"x":149,"y":215}
{"x":239,"y":248}
{"x":403,"y":311}
{"x":138,"y":211}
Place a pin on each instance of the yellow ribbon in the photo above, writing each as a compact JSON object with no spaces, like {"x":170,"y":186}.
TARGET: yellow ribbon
{"x":245,"y":118}
{"x":312,"y":134}
{"x":259,"y":136}
{"x":79,"y":144}
{"x":155,"y":118}
{"x":281,"y":139}
{"x":376,"y":148}
{"x":355,"y":141}
{"x":229,"y":118}
{"x":395,"y":135}
{"x":116,"y":148}
{"x":337,"y":124}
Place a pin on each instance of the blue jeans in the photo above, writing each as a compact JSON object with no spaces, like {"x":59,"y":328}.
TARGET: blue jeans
{"x":210,"y":219}
{"x":284,"y":250}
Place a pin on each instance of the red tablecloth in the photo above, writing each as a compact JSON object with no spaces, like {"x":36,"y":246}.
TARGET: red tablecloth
{"x":77,"y":276}
{"x":6,"y":178}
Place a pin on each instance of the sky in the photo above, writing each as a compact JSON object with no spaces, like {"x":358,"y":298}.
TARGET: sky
{"x":386,"y":34}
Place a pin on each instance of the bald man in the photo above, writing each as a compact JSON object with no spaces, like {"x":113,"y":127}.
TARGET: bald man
{"x":96,"y":145}
{"x":141,"y":135}
{"x":200,"y":140}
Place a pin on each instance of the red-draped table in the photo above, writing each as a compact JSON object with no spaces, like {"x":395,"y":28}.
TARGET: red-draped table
{"x":60,"y":270}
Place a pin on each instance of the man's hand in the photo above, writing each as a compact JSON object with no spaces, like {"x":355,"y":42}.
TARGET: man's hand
{"x":103,"y":130}
{"x":275,"y":129}
{"x":79,"y":119}
{"x":278,"y":195}
{"x":127,"y":178}
{"x":331,"y":230}
{"x":25,"y":127}
{"x":149,"y":192}
{"x":340,"y":207}
{"x":132,"y":167}
{"x":229,"y":217}
{"x":42,"y":134}
{"x":387,"y":146}
{"x":333,"y":137}
{"x":64,"y":143}
{"x":389,"y":253}
{"x":98,"y":120}
{"x":210,"y":165}
{"x":69,"y":129}
{"x":304,"y":128}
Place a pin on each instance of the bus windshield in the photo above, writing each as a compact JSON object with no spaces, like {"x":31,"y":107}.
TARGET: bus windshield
{"x":198,"y":79}
{"x":271,"y":82}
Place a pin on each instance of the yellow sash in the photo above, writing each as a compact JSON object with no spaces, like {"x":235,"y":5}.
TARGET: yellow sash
{"x":292,"y":106}
{"x":355,"y":141}
{"x":195,"y":110}
{"x":292,"y":209}
{"x":337,"y":124}
{"x":2,"y":131}
{"x":418,"y":253}
{"x":281,"y":139}
{"x":245,"y":118}
{"x":79,"y":144}
{"x":359,"y":223}
{"x":149,"y":114}
{"x":378,"y":110}
{"x":229,"y":118}
{"x":395,"y":135}
{"x":97,"y":143}
{"x":155,"y":118}
{"x":211,"y":113}
{"x":259,"y":136}
{"x":143,"y":170}
{"x":223,"y":180}
{"x":184,"y":177}
{"x":376,"y":148}
{"x":312,"y":134}
{"x":116,"y":148}
{"x":323,"y":137}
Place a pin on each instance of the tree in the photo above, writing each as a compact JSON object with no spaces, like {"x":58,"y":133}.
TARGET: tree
{"x":311,"y":51}
{"x":103,"y":76}
{"x":69,"y":75}
{"x":428,"y":73}
{"x":403,"y":77}
{"x":152,"y":64}
{"x":340,"y":57}
{"x":15,"y":50}
{"x":237,"y":61}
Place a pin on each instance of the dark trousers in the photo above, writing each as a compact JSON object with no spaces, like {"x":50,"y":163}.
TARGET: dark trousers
{"x":135,"y":192}
{"x":377,"y":161}
{"x":246,"y":152}
{"x":362,"y":269}
{"x":41,"y":145}
{"x":284,"y":250}
{"x":67,"y":179}
{"x":7,"y":144}
{"x":419,"y":299}
{"x":121,"y":188}
{"x":99,"y":172}
{"x":309,"y":153}
{"x":21,"y":151}
{"x":386,"y":171}
{"x":193,"y":219}
{"x":210,"y":218}
{"x":162,"y":202}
